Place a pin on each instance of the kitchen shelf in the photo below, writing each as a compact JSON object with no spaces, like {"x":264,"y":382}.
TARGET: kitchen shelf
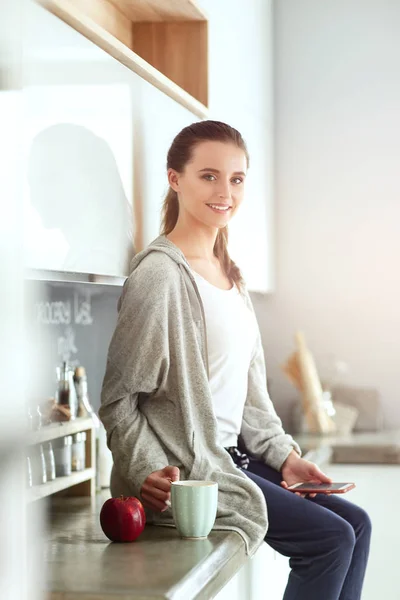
{"x":38,"y":492}
{"x":57,"y":430}
{"x":73,"y":277}
{"x":165,"y":43}
{"x":79,"y":483}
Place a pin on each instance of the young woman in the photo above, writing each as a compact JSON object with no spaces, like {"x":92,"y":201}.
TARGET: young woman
{"x":185,"y":384}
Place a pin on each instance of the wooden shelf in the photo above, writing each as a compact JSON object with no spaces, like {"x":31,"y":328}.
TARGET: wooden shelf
{"x":165,"y":43}
{"x":57,"y":430}
{"x":160,"y":10}
{"x":60,"y":483}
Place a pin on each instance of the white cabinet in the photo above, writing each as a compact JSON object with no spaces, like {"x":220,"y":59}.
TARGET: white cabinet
{"x":263,"y":577}
{"x":78,"y":151}
{"x":96,"y":137}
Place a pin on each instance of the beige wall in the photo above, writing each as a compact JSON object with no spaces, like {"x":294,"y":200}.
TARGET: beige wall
{"x":337,"y":136}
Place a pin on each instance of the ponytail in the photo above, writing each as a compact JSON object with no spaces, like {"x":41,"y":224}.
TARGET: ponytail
{"x":230,"y":269}
{"x":170,"y":212}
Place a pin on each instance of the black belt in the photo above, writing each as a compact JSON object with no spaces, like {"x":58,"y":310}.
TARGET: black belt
{"x":240,"y":459}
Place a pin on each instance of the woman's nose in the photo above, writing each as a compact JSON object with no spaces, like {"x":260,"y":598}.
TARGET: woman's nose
{"x":224,"y":192}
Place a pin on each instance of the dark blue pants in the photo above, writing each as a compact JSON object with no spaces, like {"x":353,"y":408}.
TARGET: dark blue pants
{"x":326,"y":538}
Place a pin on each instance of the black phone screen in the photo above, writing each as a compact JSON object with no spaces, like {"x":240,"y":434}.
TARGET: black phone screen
{"x":321,"y":486}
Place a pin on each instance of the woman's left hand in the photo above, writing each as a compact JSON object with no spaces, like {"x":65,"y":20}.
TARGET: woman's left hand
{"x":298,"y":470}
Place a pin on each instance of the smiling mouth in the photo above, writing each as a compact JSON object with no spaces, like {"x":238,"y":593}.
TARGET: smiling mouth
{"x":221,"y":208}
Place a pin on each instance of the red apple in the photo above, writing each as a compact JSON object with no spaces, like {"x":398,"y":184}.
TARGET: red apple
{"x":122,"y":519}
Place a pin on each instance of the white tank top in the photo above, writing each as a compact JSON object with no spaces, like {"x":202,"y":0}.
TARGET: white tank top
{"x":231,"y":336}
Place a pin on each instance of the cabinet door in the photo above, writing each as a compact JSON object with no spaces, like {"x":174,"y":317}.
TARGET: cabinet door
{"x":78,"y":142}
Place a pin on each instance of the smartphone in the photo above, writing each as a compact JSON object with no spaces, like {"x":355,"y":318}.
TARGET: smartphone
{"x":322,"y":488}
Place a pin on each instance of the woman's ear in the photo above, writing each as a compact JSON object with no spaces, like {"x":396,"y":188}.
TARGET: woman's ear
{"x":173,"y":179}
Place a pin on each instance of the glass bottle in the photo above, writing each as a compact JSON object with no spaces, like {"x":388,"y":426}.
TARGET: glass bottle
{"x":28,"y":471}
{"x":50,"y":462}
{"x":38,"y":418}
{"x":84,"y":407}
{"x":38,"y":465}
{"x":42,"y":463}
{"x":66,"y":393}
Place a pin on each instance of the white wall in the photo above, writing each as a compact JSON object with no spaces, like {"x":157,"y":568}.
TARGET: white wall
{"x":97,"y":137}
{"x":337,"y":99}
{"x":240,"y":84}
{"x":240,"y":93}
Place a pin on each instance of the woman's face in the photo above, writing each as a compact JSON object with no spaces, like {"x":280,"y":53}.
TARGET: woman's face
{"x":211,"y":187}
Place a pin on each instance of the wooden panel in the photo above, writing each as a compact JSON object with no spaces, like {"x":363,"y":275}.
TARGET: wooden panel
{"x":110,"y":44}
{"x":90,"y":447}
{"x":107,"y":15}
{"x":160,"y":10}
{"x":86,"y":488}
{"x":179,"y":50}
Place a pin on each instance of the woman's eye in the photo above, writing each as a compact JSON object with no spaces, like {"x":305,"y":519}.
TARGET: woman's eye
{"x":211,"y":177}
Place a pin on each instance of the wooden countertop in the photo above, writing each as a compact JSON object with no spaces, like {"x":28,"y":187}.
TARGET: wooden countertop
{"x":83,"y":564}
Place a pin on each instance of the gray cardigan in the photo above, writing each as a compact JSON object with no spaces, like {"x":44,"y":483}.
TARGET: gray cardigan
{"x":156,"y":403}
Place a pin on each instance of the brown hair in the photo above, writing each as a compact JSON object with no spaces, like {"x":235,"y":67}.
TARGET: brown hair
{"x":179,"y":154}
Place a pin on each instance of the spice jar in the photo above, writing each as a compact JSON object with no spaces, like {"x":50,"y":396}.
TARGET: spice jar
{"x":78,"y":451}
{"x":62,"y":456}
{"x":50,"y":462}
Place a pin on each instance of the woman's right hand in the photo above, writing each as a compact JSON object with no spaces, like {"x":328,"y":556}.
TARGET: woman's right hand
{"x":156,"y":488}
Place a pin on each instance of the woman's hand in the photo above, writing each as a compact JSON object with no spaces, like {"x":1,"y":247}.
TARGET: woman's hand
{"x":298,"y":470}
{"x":155,"y":491}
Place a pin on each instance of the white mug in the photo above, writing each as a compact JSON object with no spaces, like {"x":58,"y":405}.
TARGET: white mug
{"x":194,"y":507}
